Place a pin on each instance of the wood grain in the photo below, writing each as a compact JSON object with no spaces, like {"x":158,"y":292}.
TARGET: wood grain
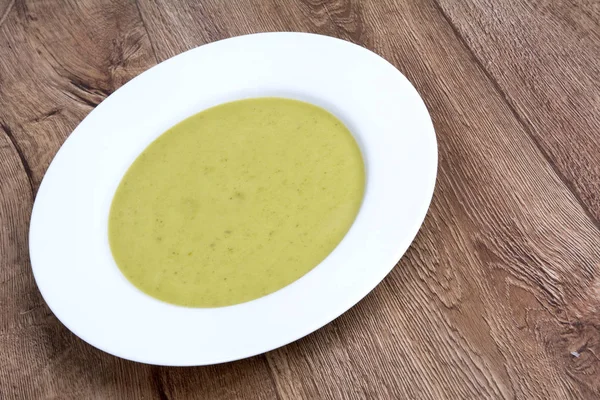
{"x":544,"y":57}
{"x":499,"y":296}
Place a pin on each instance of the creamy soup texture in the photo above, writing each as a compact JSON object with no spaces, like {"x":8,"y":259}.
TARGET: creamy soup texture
{"x":236,"y":202}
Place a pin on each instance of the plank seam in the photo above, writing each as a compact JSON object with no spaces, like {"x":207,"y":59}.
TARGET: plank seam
{"x":9,"y":134}
{"x":570,"y":187}
{"x":137,"y":5}
{"x":272,"y":376}
{"x":8,"y":9}
{"x":158,"y":383}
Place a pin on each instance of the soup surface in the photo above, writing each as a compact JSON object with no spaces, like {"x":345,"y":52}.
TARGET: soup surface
{"x":236,"y":202}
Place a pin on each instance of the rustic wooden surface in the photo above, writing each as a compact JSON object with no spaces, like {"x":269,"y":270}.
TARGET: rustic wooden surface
{"x":498,"y":297}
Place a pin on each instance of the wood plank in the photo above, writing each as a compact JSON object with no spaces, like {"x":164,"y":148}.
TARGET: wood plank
{"x":16,"y":199}
{"x":177,"y":27}
{"x":57,"y":61}
{"x":501,"y":285}
{"x":544,"y":57}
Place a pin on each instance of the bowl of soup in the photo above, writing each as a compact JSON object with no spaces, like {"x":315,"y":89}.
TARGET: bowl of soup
{"x":233,"y":199}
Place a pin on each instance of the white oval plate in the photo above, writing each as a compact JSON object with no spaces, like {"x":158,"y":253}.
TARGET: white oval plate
{"x":69,"y":249}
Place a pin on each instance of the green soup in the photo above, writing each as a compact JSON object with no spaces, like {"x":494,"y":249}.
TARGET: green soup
{"x":236,"y":202}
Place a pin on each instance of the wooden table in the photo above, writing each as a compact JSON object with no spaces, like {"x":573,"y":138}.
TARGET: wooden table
{"x":498,"y":297}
